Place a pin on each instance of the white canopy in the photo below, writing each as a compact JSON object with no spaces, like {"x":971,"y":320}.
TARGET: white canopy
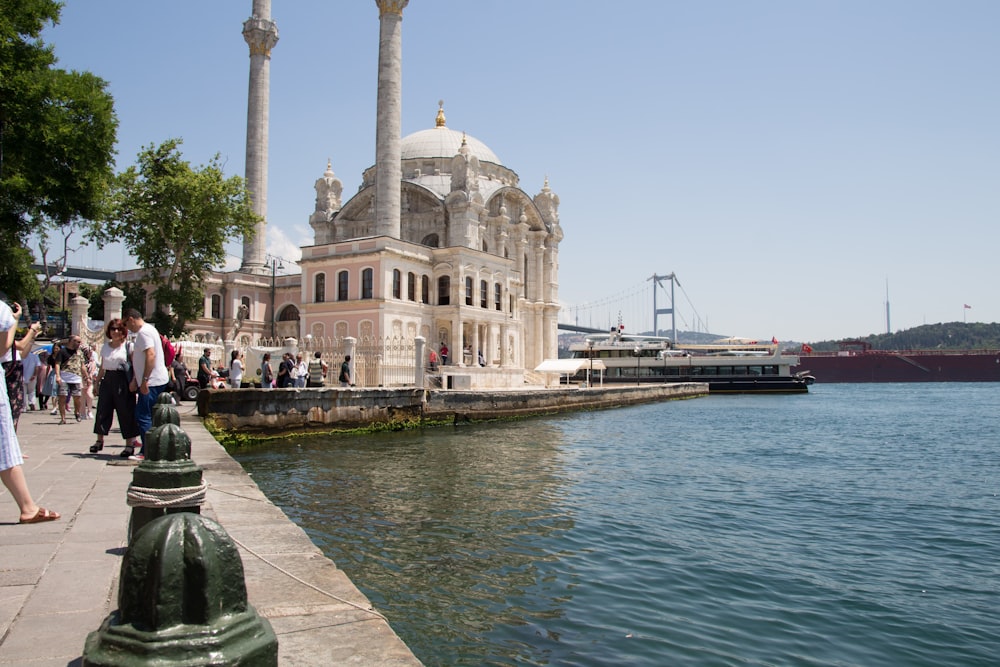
{"x":568,"y":366}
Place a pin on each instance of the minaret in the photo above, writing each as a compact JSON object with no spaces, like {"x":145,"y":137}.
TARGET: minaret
{"x":261,"y":34}
{"x":388,"y":170}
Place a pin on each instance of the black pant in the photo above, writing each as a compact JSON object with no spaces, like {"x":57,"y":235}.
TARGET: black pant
{"x":114,"y":396}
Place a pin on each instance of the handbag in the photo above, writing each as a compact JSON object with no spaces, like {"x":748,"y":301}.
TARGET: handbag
{"x":49,"y":384}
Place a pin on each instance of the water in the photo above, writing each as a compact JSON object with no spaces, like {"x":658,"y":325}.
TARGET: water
{"x":855,"y":525}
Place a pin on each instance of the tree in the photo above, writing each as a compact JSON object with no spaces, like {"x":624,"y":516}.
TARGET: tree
{"x":176,"y":220}
{"x":57,"y":136}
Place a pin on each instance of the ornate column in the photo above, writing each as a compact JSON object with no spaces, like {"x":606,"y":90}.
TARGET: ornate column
{"x":261,"y":34}
{"x":388,"y":170}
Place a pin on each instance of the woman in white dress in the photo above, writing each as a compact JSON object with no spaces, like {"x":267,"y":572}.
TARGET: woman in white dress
{"x":11,"y":460}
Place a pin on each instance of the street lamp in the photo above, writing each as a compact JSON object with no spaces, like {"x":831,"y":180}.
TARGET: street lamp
{"x":590,"y":353}
{"x":275,"y":266}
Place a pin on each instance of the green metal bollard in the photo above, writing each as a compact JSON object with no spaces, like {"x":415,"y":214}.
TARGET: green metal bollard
{"x":182,"y":601}
{"x":167,"y":475}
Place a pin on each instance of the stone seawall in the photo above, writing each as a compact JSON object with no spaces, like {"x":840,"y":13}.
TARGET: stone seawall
{"x":328,"y":408}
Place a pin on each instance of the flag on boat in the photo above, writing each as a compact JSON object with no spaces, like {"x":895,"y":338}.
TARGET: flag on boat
{"x":968,"y":306}
{"x":806,"y":349}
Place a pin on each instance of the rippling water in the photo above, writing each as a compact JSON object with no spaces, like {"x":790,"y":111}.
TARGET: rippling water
{"x":855,"y":525}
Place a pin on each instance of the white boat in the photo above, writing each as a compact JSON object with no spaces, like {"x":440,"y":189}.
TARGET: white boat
{"x":730,"y":365}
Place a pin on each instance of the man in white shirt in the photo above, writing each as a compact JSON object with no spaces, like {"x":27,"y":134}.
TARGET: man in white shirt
{"x":150,"y":373}
{"x":31,"y":364}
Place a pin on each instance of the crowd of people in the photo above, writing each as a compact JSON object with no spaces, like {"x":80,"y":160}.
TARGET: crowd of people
{"x":123,"y":380}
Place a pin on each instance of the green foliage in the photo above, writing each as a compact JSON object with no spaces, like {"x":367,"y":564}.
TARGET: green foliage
{"x":57,"y":136}
{"x":941,"y":336}
{"x":176,"y":221}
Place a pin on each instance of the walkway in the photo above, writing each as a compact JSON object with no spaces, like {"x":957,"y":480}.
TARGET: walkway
{"x":59,"y":580}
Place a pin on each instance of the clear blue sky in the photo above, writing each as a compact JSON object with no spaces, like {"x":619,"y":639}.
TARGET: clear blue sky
{"x":785,"y":159}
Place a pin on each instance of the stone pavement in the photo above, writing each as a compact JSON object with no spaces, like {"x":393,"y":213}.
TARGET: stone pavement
{"x":59,"y":580}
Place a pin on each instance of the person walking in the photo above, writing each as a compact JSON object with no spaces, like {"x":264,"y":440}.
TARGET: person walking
{"x":11,"y":459}
{"x":266,"y":374}
{"x":150,"y":377}
{"x":205,"y":368}
{"x":69,"y":367}
{"x":45,"y":388}
{"x":236,"y":370}
{"x":114,"y":394}
{"x":13,"y":366}
{"x":285,"y":371}
{"x":317,"y":370}
{"x":345,"y":372}
{"x":444,"y":354}
{"x":31,"y":365}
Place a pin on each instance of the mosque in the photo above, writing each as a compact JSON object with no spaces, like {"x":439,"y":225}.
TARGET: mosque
{"x":439,"y":241}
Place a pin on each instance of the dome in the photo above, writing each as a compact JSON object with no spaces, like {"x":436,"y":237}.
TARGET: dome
{"x":443,"y":142}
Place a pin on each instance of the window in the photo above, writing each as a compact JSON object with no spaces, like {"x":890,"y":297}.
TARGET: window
{"x":246,"y":302}
{"x":411,"y":286}
{"x":397,"y":284}
{"x":483,"y":294}
{"x":319,"y":288}
{"x":367,"y":282}
{"x":216,"y":306}
{"x":425,"y":289}
{"x":497,"y":297}
{"x":444,"y":291}
{"x":430,"y":240}
{"x":468,"y":290}
{"x":343,"y":286}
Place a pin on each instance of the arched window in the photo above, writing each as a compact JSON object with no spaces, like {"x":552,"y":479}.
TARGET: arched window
{"x":444,"y":290}
{"x":430,"y":240}
{"x":425,"y":289}
{"x":397,"y":284}
{"x":497,"y":294}
{"x":468,"y":290}
{"x":343,"y":286}
{"x":367,"y":281}
{"x":411,"y":286}
{"x":319,"y":288}
{"x":483,"y":294}
{"x":216,"y":306}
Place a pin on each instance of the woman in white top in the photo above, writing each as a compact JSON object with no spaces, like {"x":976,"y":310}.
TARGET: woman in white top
{"x":235,"y":370}
{"x":113,"y":390}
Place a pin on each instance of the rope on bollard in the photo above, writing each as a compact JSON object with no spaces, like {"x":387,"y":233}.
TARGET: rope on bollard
{"x":186,"y":496}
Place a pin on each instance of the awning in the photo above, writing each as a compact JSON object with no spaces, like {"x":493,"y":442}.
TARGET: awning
{"x":568,"y":366}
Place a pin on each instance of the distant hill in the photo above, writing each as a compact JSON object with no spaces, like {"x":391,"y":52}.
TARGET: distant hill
{"x":941,"y":336}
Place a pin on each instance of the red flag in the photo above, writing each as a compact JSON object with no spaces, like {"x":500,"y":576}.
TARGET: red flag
{"x":774,"y":341}
{"x":968,"y":306}
{"x":806,"y":349}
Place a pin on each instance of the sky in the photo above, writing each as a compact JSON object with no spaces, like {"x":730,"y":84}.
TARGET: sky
{"x":794,"y":164}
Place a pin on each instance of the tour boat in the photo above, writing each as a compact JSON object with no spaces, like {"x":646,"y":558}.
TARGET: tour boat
{"x":729,"y":365}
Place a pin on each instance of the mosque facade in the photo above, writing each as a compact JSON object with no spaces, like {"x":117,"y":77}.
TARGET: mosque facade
{"x":439,"y":241}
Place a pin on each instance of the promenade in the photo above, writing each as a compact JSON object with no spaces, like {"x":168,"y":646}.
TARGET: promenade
{"x":59,"y":580}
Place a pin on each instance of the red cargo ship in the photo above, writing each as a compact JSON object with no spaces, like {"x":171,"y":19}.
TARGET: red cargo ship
{"x":858,"y":362}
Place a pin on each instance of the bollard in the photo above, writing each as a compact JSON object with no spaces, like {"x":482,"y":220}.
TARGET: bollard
{"x":167,"y":481}
{"x":182,"y":600}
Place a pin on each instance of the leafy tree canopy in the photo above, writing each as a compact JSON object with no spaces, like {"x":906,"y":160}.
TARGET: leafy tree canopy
{"x":176,"y":221}
{"x":57,"y":136}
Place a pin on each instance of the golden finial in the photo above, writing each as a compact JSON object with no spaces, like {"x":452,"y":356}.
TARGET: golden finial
{"x":439,"y":122}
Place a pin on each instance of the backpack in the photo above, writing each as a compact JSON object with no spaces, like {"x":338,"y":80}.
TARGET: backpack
{"x":169,"y":351}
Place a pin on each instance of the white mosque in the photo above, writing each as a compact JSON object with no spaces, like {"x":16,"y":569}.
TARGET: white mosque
{"x":439,"y":241}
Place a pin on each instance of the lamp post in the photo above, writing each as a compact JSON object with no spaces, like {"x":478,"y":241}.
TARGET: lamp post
{"x":590,"y":353}
{"x":275,"y":265}
{"x":637,"y":357}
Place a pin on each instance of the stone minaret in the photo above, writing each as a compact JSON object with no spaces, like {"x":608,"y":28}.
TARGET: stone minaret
{"x":388,"y":170}
{"x":261,"y":34}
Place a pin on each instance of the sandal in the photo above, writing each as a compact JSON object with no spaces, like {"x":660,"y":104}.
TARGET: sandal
{"x":96,"y":447}
{"x":42,"y":515}
{"x":127,"y":452}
